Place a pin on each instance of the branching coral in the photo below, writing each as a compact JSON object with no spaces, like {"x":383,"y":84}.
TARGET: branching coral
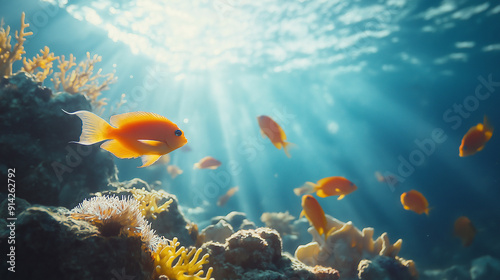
{"x":82,"y":79}
{"x":43,"y":62}
{"x":345,"y":246}
{"x":7,"y":54}
{"x":180,"y":263}
{"x":116,"y":217}
{"x":148,"y":201}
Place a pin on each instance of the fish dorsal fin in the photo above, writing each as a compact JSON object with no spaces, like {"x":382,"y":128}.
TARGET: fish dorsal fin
{"x":147,"y":160}
{"x":480,"y":127}
{"x":117,"y":149}
{"x":121,"y":119}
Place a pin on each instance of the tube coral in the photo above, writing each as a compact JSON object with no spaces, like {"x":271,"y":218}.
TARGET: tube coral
{"x":7,"y":54}
{"x":186,"y":267}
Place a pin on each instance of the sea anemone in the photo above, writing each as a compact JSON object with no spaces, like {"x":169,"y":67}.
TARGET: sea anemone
{"x":116,"y":217}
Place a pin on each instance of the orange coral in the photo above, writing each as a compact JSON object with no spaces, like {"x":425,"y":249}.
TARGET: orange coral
{"x":7,"y":54}
{"x":82,"y":79}
{"x":44,"y":62}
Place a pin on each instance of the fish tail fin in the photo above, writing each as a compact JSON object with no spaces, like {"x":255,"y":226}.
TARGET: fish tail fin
{"x":488,"y":128}
{"x":286,"y":146}
{"x":94,"y":128}
{"x":308,"y":187}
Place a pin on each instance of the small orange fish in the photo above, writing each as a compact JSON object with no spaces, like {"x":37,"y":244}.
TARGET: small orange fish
{"x":174,"y":171}
{"x":269,"y":128}
{"x":415,"y":201}
{"x":475,"y":139}
{"x":314,"y":213}
{"x":464,"y":229}
{"x":207,"y":163}
{"x":224,"y":198}
{"x":389,"y":179}
{"x":131,"y":135}
{"x":328,"y":186}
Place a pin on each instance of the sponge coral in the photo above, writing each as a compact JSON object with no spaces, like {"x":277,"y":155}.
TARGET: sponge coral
{"x":186,"y":266}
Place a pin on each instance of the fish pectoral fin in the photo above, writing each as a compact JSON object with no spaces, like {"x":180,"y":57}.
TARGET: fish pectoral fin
{"x":337,"y":189}
{"x":263,"y":134}
{"x":302,"y":214}
{"x":488,"y":135}
{"x":152,"y":143}
{"x":480,"y":148}
{"x":341,"y":196}
{"x":147,"y":160}
{"x":117,"y":149}
{"x":277,"y":145}
{"x":321,"y":193}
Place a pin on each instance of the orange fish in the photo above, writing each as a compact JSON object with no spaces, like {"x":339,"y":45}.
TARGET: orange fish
{"x":131,"y":135}
{"x":269,"y":128}
{"x":207,"y":163}
{"x":464,"y":230}
{"x":328,"y":186}
{"x":314,"y":213}
{"x":174,"y":171}
{"x":415,"y":201}
{"x":475,"y":139}
{"x":224,"y":198}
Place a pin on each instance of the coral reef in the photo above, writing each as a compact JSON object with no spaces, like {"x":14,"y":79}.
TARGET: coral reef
{"x":43,"y":62}
{"x":52,"y":245}
{"x":256,"y":254}
{"x":217,"y":233}
{"x":346,"y":246}
{"x":169,"y":224}
{"x":50,"y":169}
{"x":180,"y":263}
{"x":238,"y":220}
{"x":149,"y":200}
{"x":9,"y":55}
{"x":482,"y":268}
{"x":386,"y":268}
{"x":82,"y":79}
{"x":280,"y":221}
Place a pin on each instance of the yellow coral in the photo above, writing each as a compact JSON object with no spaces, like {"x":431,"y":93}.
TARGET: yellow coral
{"x":7,"y":54}
{"x":82,"y":79}
{"x":44,"y":62}
{"x":148,"y":201}
{"x":186,"y":267}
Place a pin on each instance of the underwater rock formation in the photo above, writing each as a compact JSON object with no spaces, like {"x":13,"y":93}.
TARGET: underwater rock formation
{"x":346,"y":246}
{"x":170,"y":223}
{"x":384,"y":268}
{"x":36,"y":142}
{"x":51,"y":245}
{"x":257,"y":254}
{"x":238,"y":220}
{"x":485,"y":268}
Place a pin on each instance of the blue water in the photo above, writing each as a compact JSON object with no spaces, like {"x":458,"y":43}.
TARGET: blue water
{"x":354,"y":84}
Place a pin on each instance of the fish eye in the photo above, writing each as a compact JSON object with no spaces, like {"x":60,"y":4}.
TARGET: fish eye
{"x":178,"y":132}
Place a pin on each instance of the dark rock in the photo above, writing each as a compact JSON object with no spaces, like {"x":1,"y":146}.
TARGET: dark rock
{"x":35,"y":139}
{"x":256,"y":254}
{"x":50,"y":245}
{"x":384,"y":268}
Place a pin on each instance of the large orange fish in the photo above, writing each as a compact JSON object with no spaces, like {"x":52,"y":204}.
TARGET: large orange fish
{"x":328,"y":186}
{"x":207,"y":163}
{"x":464,"y":230}
{"x":314,"y":213}
{"x":269,"y":128}
{"x":415,"y":201}
{"x":475,"y":139}
{"x":131,"y":135}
